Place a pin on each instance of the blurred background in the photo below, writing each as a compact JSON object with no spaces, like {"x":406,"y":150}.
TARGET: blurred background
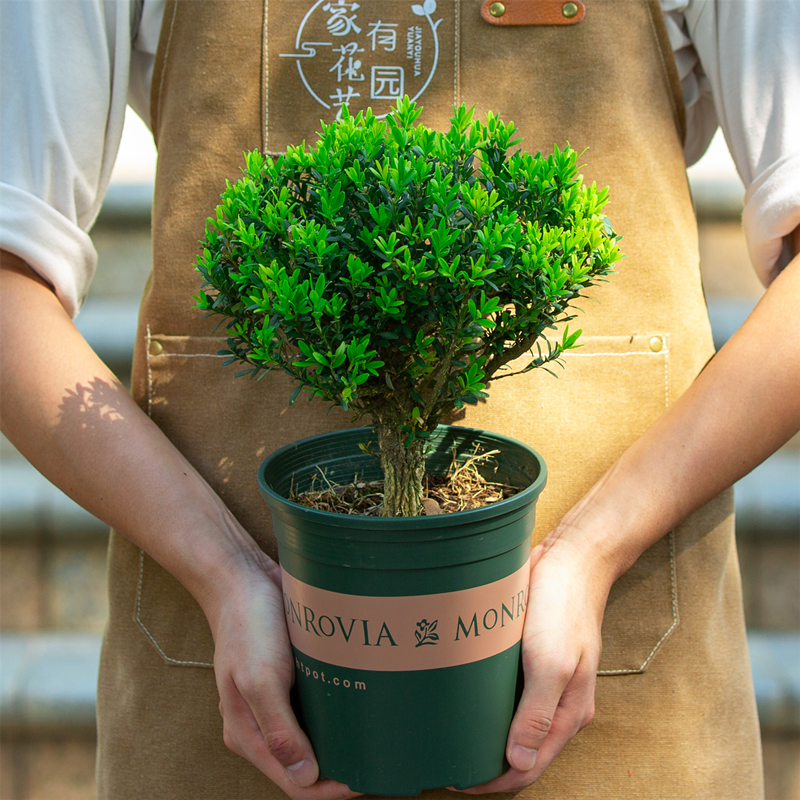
{"x":52,"y":553}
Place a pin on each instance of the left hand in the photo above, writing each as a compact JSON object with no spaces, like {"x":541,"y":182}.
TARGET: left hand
{"x":560,"y":654}
{"x":705,"y":442}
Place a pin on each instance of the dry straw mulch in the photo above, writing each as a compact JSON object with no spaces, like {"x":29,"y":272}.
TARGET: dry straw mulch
{"x":462,"y":489}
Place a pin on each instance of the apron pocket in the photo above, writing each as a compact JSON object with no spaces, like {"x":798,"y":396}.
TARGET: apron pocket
{"x":642,"y":611}
{"x":225,"y":426}
{"x":611,"y":390}
{"x":170,"y":618}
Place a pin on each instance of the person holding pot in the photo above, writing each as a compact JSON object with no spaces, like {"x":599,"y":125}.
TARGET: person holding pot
{"x":634,"y":614}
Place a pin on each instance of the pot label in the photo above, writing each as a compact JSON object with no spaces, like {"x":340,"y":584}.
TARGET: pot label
{"x":324,"y":54}
{"x":399,"y":634}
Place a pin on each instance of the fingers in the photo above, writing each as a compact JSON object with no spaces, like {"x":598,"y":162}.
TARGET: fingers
{"x":254,"y":669}
{"x":558,"y":701}
{"x":575,"y":710}
{"x":561,"y":647}
{"x":259,"y":725}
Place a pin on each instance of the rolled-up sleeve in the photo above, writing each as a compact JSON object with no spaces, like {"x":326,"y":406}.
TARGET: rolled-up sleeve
{"x":750,"y":53}
{"x":66,"y":71}
{"x":50,"y":242}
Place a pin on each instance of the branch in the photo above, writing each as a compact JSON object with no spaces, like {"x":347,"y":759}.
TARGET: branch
{"x":444,"y":371}
{"x":518,"y":349}
{"x":554,"y":356}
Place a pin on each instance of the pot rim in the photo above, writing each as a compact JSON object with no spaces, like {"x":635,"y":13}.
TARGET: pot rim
{"x":361,"y":523}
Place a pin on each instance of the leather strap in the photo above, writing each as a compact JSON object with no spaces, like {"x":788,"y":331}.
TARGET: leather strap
{"x":535,"y":12}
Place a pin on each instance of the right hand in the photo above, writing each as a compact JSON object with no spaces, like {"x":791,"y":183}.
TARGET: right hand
{"x":561,"y":644}
{"x":254,"y":669}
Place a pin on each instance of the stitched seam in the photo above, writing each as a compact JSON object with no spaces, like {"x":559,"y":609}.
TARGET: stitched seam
{"x":672,"y":573}
{"x":191,"y":355}
{"x":149,"y":375}
{"x":137,"y":615}
{"x":457,"y":52}
{"x":166,"y":59}
{"x":664,"y":70}
{"x":673,"y":585}
{"x":675,"y":618}
{"x":265,"y":73}
{"x":630,"y":353}
{"x":571,"y":355}
{"x":147,"y":632}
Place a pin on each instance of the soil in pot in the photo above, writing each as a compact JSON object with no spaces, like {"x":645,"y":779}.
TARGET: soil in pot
{"x":463,"y":488}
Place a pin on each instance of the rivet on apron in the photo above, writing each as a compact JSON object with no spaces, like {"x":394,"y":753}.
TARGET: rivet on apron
{"x":498,"y":9}
{"x":569,"y":10}
{"x":656,"y":343}
{"x":156,"y":348}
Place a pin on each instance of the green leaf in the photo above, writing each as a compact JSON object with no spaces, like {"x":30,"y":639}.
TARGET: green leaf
{"x":295,"y":394}
{"x":419,"y":258}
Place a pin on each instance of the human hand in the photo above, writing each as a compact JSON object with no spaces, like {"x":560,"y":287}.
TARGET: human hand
{"x":183,"y":524}
{"x":560,"y":654}
{"x":255,"y":670}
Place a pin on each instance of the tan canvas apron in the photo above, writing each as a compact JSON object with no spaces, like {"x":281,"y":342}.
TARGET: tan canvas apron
{"x":675,"y":710}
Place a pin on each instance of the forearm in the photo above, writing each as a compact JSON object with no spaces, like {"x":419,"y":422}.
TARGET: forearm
{"x":741,"y":408}
{"x":69,"y":415}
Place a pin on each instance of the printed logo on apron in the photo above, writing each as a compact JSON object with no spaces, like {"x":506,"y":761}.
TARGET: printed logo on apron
{"x":325,"y":54}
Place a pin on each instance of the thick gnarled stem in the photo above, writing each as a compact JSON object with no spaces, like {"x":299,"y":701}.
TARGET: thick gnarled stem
{"x":403,"y":470}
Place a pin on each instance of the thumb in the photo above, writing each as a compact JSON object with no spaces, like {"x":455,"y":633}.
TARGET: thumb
{"x":534,"y":718}
{"x":559,"y":703}
{"x":290,"y":747}
{"x":526,"y":738}
{"x":259,"y":724}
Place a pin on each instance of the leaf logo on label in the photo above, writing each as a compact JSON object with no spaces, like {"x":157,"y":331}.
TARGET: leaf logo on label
{"x":366,"y":54}
{"x":425,"y":633}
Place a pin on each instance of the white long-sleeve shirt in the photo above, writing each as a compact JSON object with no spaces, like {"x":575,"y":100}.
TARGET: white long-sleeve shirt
{"x":68,"y":68}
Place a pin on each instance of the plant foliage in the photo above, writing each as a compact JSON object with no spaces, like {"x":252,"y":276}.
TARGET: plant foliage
{"x":395,"y":270}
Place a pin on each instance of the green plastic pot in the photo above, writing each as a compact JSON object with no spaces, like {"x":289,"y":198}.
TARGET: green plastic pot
{"x":405,"y":631}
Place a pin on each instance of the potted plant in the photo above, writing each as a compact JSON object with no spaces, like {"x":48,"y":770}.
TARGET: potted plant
{"x":395,"y":271}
